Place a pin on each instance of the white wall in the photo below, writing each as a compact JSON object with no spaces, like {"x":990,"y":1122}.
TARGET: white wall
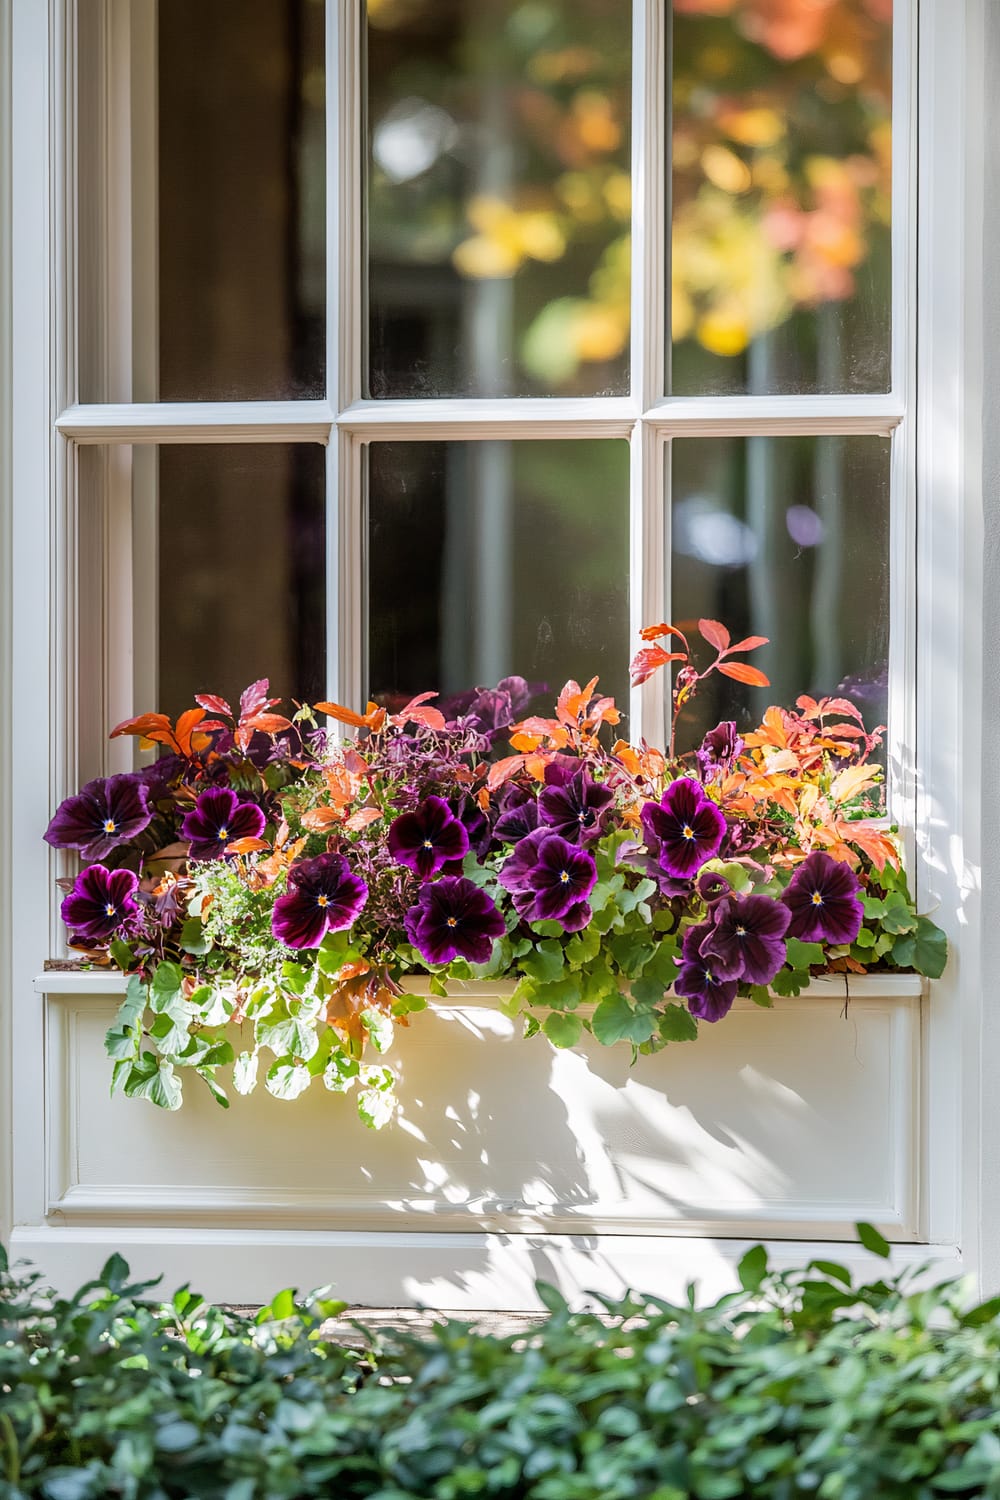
{"x":5,"y":624}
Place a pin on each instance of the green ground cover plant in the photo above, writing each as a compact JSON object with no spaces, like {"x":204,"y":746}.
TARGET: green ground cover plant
{"x":801,"y":1383}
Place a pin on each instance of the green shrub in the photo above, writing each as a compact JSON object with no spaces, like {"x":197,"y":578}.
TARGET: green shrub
{"x":801,"y":1384}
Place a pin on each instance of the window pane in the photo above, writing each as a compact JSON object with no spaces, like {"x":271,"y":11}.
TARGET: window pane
{"x":241,"y":571}
{"x":781,"y":195}
{"x":498,"y":197}
{"x":788,"y":538}
{"x":492,"y":558}
{"x":213,"y":161}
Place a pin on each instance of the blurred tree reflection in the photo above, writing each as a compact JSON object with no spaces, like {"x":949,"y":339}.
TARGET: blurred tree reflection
{"x":499,"y":188}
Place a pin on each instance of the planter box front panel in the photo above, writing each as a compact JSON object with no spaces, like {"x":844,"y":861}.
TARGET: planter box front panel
{"x":793,"y":1122}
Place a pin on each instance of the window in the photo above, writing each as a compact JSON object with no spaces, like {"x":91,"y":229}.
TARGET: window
{"x":296,"y":467}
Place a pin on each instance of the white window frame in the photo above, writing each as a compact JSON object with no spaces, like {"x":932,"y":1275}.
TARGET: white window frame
{"x":936,"y":550}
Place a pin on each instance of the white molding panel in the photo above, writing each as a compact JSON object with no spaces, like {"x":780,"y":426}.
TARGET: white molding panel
{"x":792,"y":1123}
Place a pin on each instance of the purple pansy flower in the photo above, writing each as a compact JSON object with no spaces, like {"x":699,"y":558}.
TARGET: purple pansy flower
{"x":519,"y":817}
{"x":452,"y":919}
{"x":746,"y":938}
{"x":428,"y":837}
{"x":824,"y":901}
{"x":683,"y":829}
{"x":708,"y":997}
{"x":323,"y":896}
{"x":217,"y":819}
{"x":106,"y":813}
{"x":718,"y":749}
{"x":576,"y":808}
{"x":476,"y":824}
{"x":556,"y":887}
{"x":101,"y":902}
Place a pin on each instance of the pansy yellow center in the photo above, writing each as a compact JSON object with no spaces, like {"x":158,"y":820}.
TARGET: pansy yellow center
{"x":428,"y":844}
{"x":564,"y":877}
{"x":322,"y":901}
{"x":817,"y":899}
{"x":687,"y":832}
{"x":223,"y":833}
{"x":109,"y":910}
{"x":109,"y":825}
{"x":452,"y":921}
{"x":709,"y":976}
{"x":741,"y":932}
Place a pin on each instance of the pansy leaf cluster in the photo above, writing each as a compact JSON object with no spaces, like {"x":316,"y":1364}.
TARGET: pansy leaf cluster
{"x":283,"y":898}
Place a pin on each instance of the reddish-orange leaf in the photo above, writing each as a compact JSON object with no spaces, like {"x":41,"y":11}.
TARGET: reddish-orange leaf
{"x":503,"y":770}
{"x":213,"y":704}
{"x":573,"y":700}
{"x":433,"y":718}
{"x":653,"y":632}
{"x":649,"y":660}
{"x":267,"y":723}
{"x":247,"y":846}
{"x":373,"y":718}
{"x":186,"y":725}
{"x":319,"y":819}
{"x":156,"y":727}
{"x":750,"y":643}
{"x":739,"y":672}
{"x":362,"y":818}
{"x":603,"y":712}
{"x":715,"y":634}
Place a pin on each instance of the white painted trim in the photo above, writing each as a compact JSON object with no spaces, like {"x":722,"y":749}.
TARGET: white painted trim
{"x":648,"y":333}
{"x":199,"y":422}
{"x":482,"y":417}
{"x":7,"y":789}
{"x":775,"y":416}
{"x":832,"y":988}
{"x":461,"y":1272}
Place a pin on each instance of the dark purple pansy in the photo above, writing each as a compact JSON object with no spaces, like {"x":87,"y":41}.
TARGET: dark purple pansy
{"x":718,"y":749}
{"x":556,"y":887}
{"x":476,"y":824}
{"x":106,"y":813}
{"x":101,"y":902}
{"x":519,"y":817}
{"x":578,"y":809}
{"x":217,"y":819}
{"x":823,"y":898}
{"x":452,"y":919}
{"x":683,"y":829}
{"x":323,"y":896}
{"x":708,"y":997}
{"x":428,"y":837}
{"x":516,"y":870}
{"x":746,"y":938}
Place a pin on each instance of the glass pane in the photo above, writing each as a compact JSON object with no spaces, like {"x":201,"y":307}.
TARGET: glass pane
{"x":216,"y":168}
{"x":781,"y":195}
{"x":498,"y":197}
{"x":493,"y":558}
{"x":242,"y":573}
{"x":788,"y":538}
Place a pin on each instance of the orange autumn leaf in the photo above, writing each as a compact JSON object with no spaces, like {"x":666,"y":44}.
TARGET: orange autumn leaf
{"x":373,"y":718}
{"x":247,"y":846}
{"x":851,"y":782}
{"x":503,"y":770}
{"x":715,"y":634}
{"x":654,"y":632}
{"x":573,"y":700}
{"x":319,"y":819}
{"x":363,"y":818}
{"x":649,"y":660}
{"x":740,"y":672}
{"x":749,"y":643}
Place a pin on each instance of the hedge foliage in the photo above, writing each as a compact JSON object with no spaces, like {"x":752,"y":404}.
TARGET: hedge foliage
{"x":801,"y":1384}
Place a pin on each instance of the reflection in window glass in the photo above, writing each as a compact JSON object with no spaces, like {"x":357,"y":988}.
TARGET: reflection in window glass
{"x":241,"y":571}
{"x":781,"y":195}
{"x":498,"y":197}
{"x":785,"y":537}
{"x":492,"y":558}
{"x":241,"y":134}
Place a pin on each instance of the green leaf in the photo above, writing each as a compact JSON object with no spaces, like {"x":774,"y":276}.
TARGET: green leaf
{"x":874,"y":908}
{"x":631,"y":950}
{"x":584,"y":947}
{"x":438,"y":987}
{"x":341,"y":1073}
{"x":789,"y":982}
{"x":545,"y":962}
{"x":752,"y":1269}
{"x":293,"y":1037}
{"x":562,"y":1030}
{"x":286,"y":1078}
{"x":677,"y":1024}
{"x":166,"y":988}
{"x":801,"y":955}
{"x":375,"y":1108}
{"x":379,"y":1028}
{"x":761,"y":995}
{"x":122,"y":955}
{"x":154,"y":1079}
{"x":245,"y":1072}
{"x":873,"y":1240}
{"x":648,"y":990}
{"x":193,"y":937}
{"x":925,"y":950}
{"x":899,"y":915}
{"x":616,"y":1020}
{"x":123,"y":1040}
